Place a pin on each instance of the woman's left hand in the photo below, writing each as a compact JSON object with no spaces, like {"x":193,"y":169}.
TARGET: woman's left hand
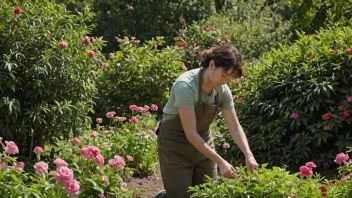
{"x":251,"y":163}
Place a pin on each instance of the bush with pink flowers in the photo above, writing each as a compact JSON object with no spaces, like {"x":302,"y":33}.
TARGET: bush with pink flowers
{"x":46,"y":73}
{"x":277,"y":182}
{"x":294,"y":108}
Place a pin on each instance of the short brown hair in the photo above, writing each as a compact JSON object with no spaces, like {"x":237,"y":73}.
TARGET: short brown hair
{"x":226,"y":57}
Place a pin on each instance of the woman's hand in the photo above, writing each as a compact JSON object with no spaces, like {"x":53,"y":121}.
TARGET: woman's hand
{"x":251,"y":163}
{"x":227,"y":170}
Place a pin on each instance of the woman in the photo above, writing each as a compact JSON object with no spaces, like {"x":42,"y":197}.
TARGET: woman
{"x":185,"y":144}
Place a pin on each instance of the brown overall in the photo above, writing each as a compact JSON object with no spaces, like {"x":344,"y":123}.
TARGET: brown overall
{"x":181,"y":164}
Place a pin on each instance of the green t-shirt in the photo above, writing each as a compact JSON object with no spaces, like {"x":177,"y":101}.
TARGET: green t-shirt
{"x":184,"y":94}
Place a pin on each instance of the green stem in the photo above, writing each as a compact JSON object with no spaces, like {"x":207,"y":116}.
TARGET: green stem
{"x":31,"y":146}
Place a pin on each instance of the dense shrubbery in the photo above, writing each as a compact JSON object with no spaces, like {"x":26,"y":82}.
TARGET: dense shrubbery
{"x":277,"y":182}
{"x":138,"y":74}
{"x":96,"y":164}
{"x":46,"y":78}
{"x":297,"y":101}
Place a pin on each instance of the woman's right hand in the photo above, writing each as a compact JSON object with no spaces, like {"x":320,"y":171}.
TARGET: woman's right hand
{"x":227,"y":170}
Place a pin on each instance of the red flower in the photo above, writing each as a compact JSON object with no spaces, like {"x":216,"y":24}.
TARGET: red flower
{"x":324,"y":194}
{"x":311,"y":57}
{"x":323,"y":188}
{"x":346,"y":113}
{"x":349,"y":51}
{"x":17,"y":11}
{"x":327,"y":116}
{"x":315,"y":37}
{"x":336,"y":51}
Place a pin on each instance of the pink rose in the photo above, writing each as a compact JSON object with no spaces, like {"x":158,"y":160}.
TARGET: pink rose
{"x":37,"y":150}
{"x":99,"y":120}
{"x":63,"y":45}
{"x":111,"y":55}
{"x":120,"y":119}
{"x":340,"y":107}
{"x":306,"y":171}
{"x":91,"y":53}
{"x":104,"y":65}
{"x":349,"y":51}
{"x":327,"y":116}
{"x":123,"y":184}
{"x":86,"y":40}
{"x":297,"y":135}
{"x":346,"y":113}
{"x":63,"y":174}
{"x":60,"y":162}
{"x":72,"y":187}
{"x":76,"y":140}
{"x":41,"y":167}
{"x":99,"y":159}
{"x":134,"y":120}
{"x":11,"y":147}
{"x":345,"y":177}
{"x":226,"y":146}
{"x":129,"y":158}
{"x":106,"y":179}
{"x":110,"y":114}
{"x":17,"y":11}
{"x":294,"y":116}
{"x":93,"y":135}
{"x":311,"y":165}
{"x":118,"y":162}
{"x":153,"y":107}
{"x":142,"y":134}
{"x":340,"y":158}
{"x":151,"y":133}
{"x":133,"y":108}
{"x":327,"y":128}
{"x":19,"y":165}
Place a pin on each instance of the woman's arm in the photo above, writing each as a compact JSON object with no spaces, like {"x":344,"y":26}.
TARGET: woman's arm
{"x":239,"y":137}
{"x":188,"y":120}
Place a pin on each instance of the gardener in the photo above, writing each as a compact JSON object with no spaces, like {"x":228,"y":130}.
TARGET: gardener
{"x":186,"y":146}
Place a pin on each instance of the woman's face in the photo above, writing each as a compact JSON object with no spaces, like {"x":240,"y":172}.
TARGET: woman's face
{"x":219,"y":77}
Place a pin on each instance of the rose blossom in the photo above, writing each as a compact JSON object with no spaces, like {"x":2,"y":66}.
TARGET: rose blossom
{"x":129,"y":158}
{"x":17,"y":11}
{"x":106,"y":179}
{"x":72,"y":187}
{"x":41,"y":167}
{"x":123,"y":184}
{"x":104,"y":65}
{"x":340,"y":158}
{"x":118,"y":162}
{"x":63,"y":45}
{"x":294,"y":116}
{"x":297,"y":135}
{"x":349,"y":98}
{"x":11,"y":147}
{"x":37,"y":150}
{"x":340,"y":107}
{"x":311,"y":165}
{"x":93,"y":135}
{"x":76,"y":140}
{"x":327,"y":116}
{"x":153,"y":107}
{"x":19,"y":165}
{"x":134,"y":120}
{"x":63,"y":174}
{"x":226,"y":145}
{"x":305,"y":171}
{"x":99,"y":120}
{"x":327,"y":128}
{"x":86,"y":40}
{"x":110,"y":114}
{"x":142,"y":134}
{"x":91,"y":53}
{"x":60,"y":162}
{"x":133,"y":108}
{"x":99,"y":159}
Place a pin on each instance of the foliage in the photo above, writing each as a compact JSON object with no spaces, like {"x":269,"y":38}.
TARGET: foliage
{"x":146,"y":19}
{"x":275,"y":182}
{"x":122,"y":138}
{"x":249,"y":25}
{"x":296,"y":104}
{"x":46,"y":80}
{"x":310,"y":16}
{"x":138,"y":75}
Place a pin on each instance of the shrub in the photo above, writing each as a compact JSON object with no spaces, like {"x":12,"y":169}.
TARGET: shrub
{"x":296,"y":102}
{"x":46,"y":79}
{"x":138,"y":75}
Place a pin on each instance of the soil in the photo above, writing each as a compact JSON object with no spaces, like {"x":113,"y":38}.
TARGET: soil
{"x":152,"y":184}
